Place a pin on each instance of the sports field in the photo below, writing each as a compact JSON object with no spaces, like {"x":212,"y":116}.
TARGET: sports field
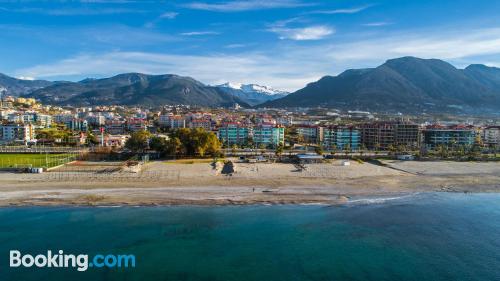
{"x":38,"y":160}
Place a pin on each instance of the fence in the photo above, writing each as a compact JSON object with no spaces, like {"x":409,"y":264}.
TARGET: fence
{"x":36,"y":160}
{"x":41,"y":149}
{"x":108,"y":176}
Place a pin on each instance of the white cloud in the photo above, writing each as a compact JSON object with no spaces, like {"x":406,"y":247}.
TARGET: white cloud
{"x":441,"y":44}
{"x":166,"y":15}
{"x":210,"y":69}
{"x":238,"y":6}
{"x":377,"y":24}
{"x":26,"y":78}
{"x":235,"y":46}
{"x":81,"y":11}
{"x":303,"y":33}
{"x":343,"y":11}
{"x":199,"y":33}
{"x":169,"y":15}
{"x":290,"y":66}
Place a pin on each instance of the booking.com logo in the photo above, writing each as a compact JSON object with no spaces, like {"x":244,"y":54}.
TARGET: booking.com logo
{"x":62,"y":260}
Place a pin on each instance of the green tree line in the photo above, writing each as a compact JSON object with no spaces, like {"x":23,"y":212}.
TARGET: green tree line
{"x":181,"y":142}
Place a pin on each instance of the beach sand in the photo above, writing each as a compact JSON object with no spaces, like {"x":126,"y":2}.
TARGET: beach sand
{"x":174,"y":183}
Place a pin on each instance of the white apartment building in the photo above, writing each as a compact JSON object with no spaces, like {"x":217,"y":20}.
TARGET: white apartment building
{"x":491,"y":136}
{"x":17,"y":132}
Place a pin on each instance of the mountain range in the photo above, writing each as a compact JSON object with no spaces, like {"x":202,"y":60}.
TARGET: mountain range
{"x":253,"y":94}
{"x":136,"y":89}
{"x":405,"y":84}
{"x":16,"y":87}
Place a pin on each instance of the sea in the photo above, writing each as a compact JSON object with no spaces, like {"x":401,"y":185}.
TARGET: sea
{"x":432,"y":236}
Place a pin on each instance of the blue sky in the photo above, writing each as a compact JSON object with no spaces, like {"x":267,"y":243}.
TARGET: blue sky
{"x":281,"y":43}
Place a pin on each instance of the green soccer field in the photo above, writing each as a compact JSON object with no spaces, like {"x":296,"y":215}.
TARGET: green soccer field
{"x":22,"y":160}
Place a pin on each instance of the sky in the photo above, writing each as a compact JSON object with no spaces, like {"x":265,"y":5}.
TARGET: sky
{"x":284,"y":44}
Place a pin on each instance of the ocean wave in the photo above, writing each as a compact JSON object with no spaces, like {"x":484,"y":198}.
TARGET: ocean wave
{"x":381,"y":200}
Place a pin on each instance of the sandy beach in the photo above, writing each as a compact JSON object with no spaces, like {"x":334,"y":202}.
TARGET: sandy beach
{"x":181,"y":182}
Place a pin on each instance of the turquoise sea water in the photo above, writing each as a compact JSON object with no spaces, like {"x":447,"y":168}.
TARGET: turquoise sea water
{"x":424,"y":237}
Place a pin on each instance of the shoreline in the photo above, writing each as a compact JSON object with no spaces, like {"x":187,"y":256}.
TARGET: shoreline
{"x":312,"y":192}
{"x":271,"y":184}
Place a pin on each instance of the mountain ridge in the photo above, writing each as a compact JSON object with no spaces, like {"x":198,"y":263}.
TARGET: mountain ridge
{"x":253,"y":94}
{"x":16,"y":87}
{"x":136,"y":89}
{"x":404,"y":84}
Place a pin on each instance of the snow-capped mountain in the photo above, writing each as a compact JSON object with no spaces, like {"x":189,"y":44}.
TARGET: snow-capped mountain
{"x":253,"y":94}
{"x":253,"y":88}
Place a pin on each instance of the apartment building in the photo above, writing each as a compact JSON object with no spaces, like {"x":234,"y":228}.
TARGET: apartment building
{"x":341,"y":138}
{"x":268,"y":135}
{"x":437,"y":135}
{"x":201,"y":123}
{"x":96,"y":120}
{"x":17,"y":132}
{"x":136,"y":124}
{"x":77,"y":124}
{"x":384,"y":134}
{"x":115,"y":127}
{"x":491,"y":136}
{"x":234,"y":134}
{"x":43,"y":120}
{"x":310,"y":134}
{"x":172,"y":121}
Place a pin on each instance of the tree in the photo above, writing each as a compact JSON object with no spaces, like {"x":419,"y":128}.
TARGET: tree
{"x":279,"y":150}
{"x":173,"y":146}
{"x":443,"y":151}
{"x":197,"y":141}
{"x":53,"y":134}
{"x":319,"y":150}
{"x":291,"y":135}
{"x":249,"y":142}
{"x":362,"y":149}
{"x":347,"y":149}
{"x":377,"y":148}
{"x":158,"y":144}
{"x":391,"y":148}
{"x":138,"y":141}
{"x":333,"y":149}
{"x":213,"y":145}
{"x":234,"y":147}
{"x":475,"y":151}
{"x":92,"y":139}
